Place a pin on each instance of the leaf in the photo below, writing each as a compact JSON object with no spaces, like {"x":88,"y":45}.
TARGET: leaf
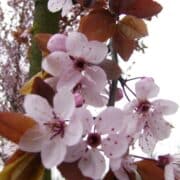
{"x":13,"y":125}
{"x":43,"y":89}
{"x":143,"y":8}
{"x":92,"y":3}
{"x":112,"y":69}
{"x":123,"y":45}
{"x":27,"y":166}
{"x":28,"y":86}
{"x":98,"y":25}
{"x":42,"y":40}
{"x":132,"y":27}
{"x":148,"y":169}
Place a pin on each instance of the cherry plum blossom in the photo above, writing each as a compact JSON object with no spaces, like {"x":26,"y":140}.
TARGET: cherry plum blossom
{"x":55,"y":129}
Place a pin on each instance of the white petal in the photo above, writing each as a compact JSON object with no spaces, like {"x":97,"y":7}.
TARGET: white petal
{"x":146,"y":88}
{"x":169,"y":172}
{"x":64,"y":104}
{"x":38,"y":108}
{"x":53,"y":153}
{"x":86,"y":119}
{"x":57,"y":63}
{"x":66,"y":7}
{"x":57,"y":42}
{"x":69,"y":79}
{"x":165,"y":106}
{"x":98,"y":75}
{"x":55,"y":5}
{"x":93,"y":164}
{"x":73,"y":132}
{"x":33,"y":139}
{"x":147,"y":142}
{"x":121,"y":174}
{"x":52,"y":81}
{"x":115,"y":163}
{"x":75,"y":152}
{"x":75,"y":44}
{"x":110,"y":121}
{"x":95,"y":52}
{"x":160,"y":128}
{"x":115,"y":145}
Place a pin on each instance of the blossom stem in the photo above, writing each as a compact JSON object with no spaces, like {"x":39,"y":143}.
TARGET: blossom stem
{"x":113,"y":86}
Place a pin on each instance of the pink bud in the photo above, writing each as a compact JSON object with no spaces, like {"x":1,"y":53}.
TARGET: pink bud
{"x":79,"y":100}
{"x":119,"y":94}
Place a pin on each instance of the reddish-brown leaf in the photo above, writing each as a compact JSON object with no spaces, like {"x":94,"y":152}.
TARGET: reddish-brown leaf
{"x":149,"y":170}
{"x":143,"y":8}
{"x":13,"y":125}
{"x":92,"y":3}
{"x":132,"y":27}
{"x":98,"y":25}
{"x":42,"y":40}
{"x":112,"y":69}
{"x":123,"y":45}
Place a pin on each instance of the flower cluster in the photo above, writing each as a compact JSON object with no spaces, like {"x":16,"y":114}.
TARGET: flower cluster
{"x":66,"y":131}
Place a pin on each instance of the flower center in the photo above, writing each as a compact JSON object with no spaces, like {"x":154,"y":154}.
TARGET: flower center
{"x":79,"y":64}
{"x":143,"y":107}
{"x":94,"y":139}
{"x":164,"y":160}
{"x":57,"y":127}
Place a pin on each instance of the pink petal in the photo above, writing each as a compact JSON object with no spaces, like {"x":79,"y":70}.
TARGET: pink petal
{"x":169,"y":172}
{"x":165,"y":106}
{"x":55,"y":5}
{"x":53,"y":153}
{"x":160,"y":128}
{"x":66,"y":7}
{"x":93,"y":164}
{"x":57,"y":63}
{"x":52,"y":81}
{"x":97,"y":75}
{"x":33,"y":139}
{"x":64,"y":104}
{"x":38,"y":108}
{"x":115,"y":145}
{"x":69,"y":79}
{"x":73,"y":132}
{"x":79,"y":100}
{"x":57,"y":43}
{"x":75,"y":44}
{"x":146,"y":88}
{"x":86,"y":119}
{"x":75,"y":152}
{"x":94,"y":52}
{"x":147,"y":142}
{"x":116,"y":163}
{"x":121,"y":174}
{"x":110,"y":121}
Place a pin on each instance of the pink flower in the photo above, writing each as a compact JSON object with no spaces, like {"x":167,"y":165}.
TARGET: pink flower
{"x":76,"y":69}
{"x":102,"y":136}
{"x":148,"y":115}
{"x":57,"y":5}
{"x":55,"y":130}
{"x":171,"y":165}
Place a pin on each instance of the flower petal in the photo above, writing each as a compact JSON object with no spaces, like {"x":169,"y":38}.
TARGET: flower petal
{"x":169,"y":172}
{"x":146,"y":88}
{"x":33,"y":139}
{"x":165,"y":106}
{"x":97,"y":75}
{"x":160,"y":128}
{"x":75,"y":152}
{"x":115,"y":163}
{"x":110,"y":121}
{"x":93,"y":164}
{"x":38,"y":108}
{"x":55,"y":5}
{"x":86,"y":119}
{"x":57,"y":63}
{"x":64,"y":104}
{"x":57,"y":43}
{"x":75,"y":44}
{"x":66,"y":7}
{"x":115,"y":145}
{"x":121,"y":174}
{"x":53,"y":153}
{"x":147,"y":142}
{"x":95,"y":52}
{"x":73,"y":132}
